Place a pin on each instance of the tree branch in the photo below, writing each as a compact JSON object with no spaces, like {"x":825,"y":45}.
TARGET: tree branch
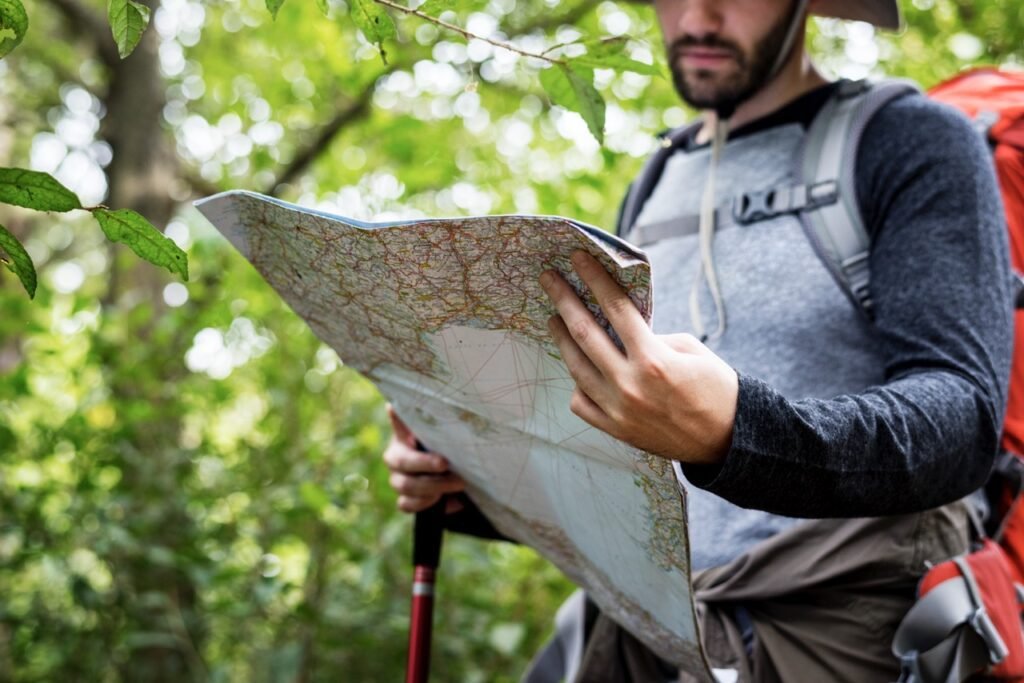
{"x":360,"y":107}
{"x":307,"y":154}
{"x":87,"y":22}
{"x":304,"y":157}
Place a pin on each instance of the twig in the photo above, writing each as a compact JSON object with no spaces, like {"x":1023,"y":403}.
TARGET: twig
{"x":466,"y":34}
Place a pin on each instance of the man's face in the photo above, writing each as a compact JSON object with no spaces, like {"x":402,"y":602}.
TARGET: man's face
{"x":722,"y":51}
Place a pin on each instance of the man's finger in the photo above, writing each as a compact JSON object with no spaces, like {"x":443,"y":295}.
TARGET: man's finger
{"x":583,"y":371}
{"x":591,"y":413}
{"x":401,"y":458}
{"x":420,"y":485}
{"x":416,"y":503}
{"x":620,"y":310}
{"x":402,"y":431}
{"x":582,"y":327}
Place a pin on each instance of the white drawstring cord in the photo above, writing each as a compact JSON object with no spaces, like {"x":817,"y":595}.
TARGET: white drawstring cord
{"x":706,"y":235}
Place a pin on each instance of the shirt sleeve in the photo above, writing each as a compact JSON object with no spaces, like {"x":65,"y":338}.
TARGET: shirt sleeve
{"x":940,"y":282}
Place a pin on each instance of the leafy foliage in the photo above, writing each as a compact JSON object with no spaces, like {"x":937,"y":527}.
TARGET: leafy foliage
{"x":572,"y":87}
{"x":34,"y":190}
{"x":128,"y":19}
{"x":19,"y":262}
{"x":610,"y":53}
{"x":128,"y":227}
{"x":274,"y":5}
{"x":373,"y":20}
{"x":13,"y":24}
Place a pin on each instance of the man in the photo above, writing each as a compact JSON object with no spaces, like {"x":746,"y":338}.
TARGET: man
{"x":825,"y":452}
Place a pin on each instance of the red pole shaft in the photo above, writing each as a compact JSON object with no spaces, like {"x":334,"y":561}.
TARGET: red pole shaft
{"x":421,"y":623}
{"x":428,"y":533}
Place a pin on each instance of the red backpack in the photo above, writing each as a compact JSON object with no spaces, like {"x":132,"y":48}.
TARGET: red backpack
{"x":967,"y":620}
{"x":995,"y":100}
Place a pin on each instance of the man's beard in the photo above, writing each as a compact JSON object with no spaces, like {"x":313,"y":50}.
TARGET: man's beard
{"x":705,"y":89}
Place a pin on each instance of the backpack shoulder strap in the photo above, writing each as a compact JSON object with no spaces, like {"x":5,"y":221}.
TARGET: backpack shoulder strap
{"x":836,"y":230}
{"x":643,"y":186}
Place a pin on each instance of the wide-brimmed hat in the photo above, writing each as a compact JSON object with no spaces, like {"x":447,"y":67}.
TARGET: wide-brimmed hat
{"x":881,"y":13}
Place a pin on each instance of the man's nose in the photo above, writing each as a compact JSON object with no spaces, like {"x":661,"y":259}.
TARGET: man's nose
{"x":699,"y":18}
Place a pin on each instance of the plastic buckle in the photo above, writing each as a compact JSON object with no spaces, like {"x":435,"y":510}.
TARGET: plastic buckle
{"x":751,"y":207}
{"x":983,"y":626}
{"x":822,"y":194}
{"x":910,"y":668}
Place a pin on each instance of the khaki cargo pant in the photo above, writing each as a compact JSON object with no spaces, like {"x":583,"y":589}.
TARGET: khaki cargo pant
{"x":824,"y":599}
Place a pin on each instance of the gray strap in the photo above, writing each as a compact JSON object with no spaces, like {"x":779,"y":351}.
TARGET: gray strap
{"x":642,"y":188}
{"x":935,"y":642}
{"x":837,"y":230}
{"x":743,"y":209}
{"x":980,"y":621}
{"x":679,"y":226}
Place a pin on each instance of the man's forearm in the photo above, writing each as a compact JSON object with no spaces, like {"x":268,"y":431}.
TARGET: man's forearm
{"x":915,"y":443}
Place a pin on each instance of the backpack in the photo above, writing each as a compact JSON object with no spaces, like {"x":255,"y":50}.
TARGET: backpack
{"x":984,"y":634}
{"x":968,"y":616}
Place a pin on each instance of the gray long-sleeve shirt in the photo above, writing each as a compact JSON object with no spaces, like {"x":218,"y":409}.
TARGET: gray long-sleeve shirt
{"x":943,"y":316}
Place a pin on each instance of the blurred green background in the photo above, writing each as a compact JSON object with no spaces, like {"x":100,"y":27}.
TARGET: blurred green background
{"x":190,"y":482}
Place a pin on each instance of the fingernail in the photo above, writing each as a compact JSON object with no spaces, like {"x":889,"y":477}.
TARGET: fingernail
{"x":579,"y":258}
{"x":546,"y":278}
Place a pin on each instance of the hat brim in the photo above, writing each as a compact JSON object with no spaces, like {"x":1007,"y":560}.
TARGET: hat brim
{"x":881,"y":13}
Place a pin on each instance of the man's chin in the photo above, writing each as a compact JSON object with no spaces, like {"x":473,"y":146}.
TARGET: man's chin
{"x":706,"y":94}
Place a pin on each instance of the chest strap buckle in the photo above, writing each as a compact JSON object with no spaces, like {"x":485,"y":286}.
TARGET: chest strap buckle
{"x":751,"y":207}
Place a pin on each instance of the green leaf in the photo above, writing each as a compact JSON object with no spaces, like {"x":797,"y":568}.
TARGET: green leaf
{"x":434,"y":8}
{"x":128,"y":227}
{"x":323,"y":7}
{"x":610,"y":53}
{"x":35,"y":190}
{"x":572,"y":87}
{"x":374,"y":21}
{"x":13,"y":24}
{"x":128,"y":19}
{"x":274,"y":5}
{"x":20,"y":262}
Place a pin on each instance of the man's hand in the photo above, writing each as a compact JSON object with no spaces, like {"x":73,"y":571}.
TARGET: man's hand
{"x":419,"y":477}
{"x":666,"y":394}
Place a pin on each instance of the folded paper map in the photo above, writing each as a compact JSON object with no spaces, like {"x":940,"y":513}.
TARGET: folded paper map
{"x":446,"y":317}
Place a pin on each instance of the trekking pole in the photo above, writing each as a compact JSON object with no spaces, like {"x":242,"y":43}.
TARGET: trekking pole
{"x":428,"y":532}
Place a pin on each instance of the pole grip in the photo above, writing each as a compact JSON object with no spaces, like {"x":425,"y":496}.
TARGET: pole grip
{"x":427,"y":535}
